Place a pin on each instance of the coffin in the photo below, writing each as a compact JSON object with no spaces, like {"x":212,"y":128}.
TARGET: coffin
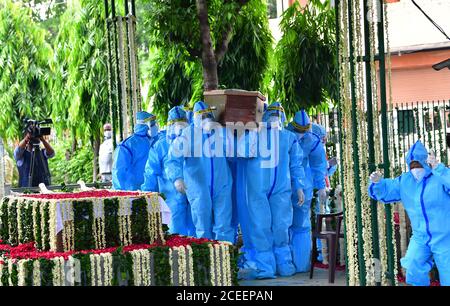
{"x":235,"y":105}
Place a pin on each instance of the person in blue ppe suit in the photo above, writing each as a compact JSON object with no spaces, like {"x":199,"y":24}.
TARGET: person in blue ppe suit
{"x":156,"y":178}
{"x":131,"y":154}
{"x":315,"y":166}
{"x":425,"y":193}
{"x":270,"y":181}
{"x":320,"y":131}
{"x":198,"y":167}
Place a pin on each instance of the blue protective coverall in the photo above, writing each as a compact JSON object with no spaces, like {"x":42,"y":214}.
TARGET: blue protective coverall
{"x":427,"y":203}
{"x":156,"y":178}
{"x":269,"y":209}
{"x":320,"y":131}
{"x":199,"y":158}
{"x":131,"y":155}
{"x":315,"y":166}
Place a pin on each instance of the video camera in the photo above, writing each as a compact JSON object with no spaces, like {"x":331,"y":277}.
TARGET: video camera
{"x":33,"y":127}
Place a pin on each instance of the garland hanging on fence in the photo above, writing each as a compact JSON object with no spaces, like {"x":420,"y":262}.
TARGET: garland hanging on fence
{"x":362,"y":268}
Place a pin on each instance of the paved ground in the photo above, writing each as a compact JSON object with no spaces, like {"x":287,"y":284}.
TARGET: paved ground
{"x":300,"y":279}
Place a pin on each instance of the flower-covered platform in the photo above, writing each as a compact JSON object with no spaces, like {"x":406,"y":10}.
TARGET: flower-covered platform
{"x":81,"y":221}
{"x":103,"y":238}
{"x":180,"y":261}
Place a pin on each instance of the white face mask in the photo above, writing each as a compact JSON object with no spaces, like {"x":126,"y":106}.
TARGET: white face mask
{"x":207,"y":124}
{"x":274,"y":122}
{"x":418,"y":173}
{"x":153,"y":130}
{"x":108,"y":134}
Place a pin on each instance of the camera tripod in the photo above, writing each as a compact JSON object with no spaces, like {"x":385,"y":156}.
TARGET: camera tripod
{"x":37,"y":156}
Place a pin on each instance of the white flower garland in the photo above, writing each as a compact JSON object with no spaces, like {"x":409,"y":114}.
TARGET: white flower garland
{"x":219,"y":263}
{"x":190,"y":258}
{"x":42,"y":207}
{"x":71,"y":277}
{"x":137,"y":272}
{"x":145,"y":268}
{"x":34,"y":215}
{"x":99,"y":270}
{"x":171,"y":266}
{"x":36,"y":273}
{"x":57,"y":272}
{"x":107,"y":268}
{"x":20,"y":203}
{"x":10,"y":267}
{"x":182,"y":272}
{"x":21,"y":272}
{"x":1,"y":270}
{"x":93,"y":270}
{"x":52,"y":225}
{"x":212,"y":266}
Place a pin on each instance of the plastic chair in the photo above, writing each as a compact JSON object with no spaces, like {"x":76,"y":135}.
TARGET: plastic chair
{"x":332,"y":238}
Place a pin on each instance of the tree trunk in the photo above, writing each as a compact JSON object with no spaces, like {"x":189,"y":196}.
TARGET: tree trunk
{"x":74,"y":142}
{"x":96,"y":147}
{"x":209,"y":61}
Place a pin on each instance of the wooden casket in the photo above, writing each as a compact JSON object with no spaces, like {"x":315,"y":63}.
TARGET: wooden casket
{"x":235,"y":105}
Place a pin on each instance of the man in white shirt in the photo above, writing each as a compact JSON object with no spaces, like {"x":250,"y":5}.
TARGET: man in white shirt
{"x":105,"y":154}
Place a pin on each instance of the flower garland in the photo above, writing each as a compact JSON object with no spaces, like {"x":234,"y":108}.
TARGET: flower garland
{"x":212,"y":266}
{"x":27,"y":266}
{"x":145,"y":258}
{"x":171,"y":266}
{"x":219,"y":263}
{"x":351,"y":210}
{"x":71,"y":269}
{"x":182,"y":272}
{"x":52,"y":225}
{"x":27,"y":218}
{"x":22,"y":272}
{"x":190,"y":256}
{"x":349,"y":195}
{"x":20,"y":203}
{"x":36,"y":273}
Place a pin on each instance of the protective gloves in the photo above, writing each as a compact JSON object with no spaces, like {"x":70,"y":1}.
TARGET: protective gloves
{"x":180,"y":186}
{"x":301,"y":197}
{"x":322,"y":193}
{"x":375,"y":177}
{"x":432,"y":160}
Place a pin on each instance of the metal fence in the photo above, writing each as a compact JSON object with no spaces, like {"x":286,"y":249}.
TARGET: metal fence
{"x":427,"y":121}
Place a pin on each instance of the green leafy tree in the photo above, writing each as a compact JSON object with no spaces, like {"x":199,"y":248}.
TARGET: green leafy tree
{"x":24,"y":69}
{"x":239,"y":31}
{"x":81,"y":83}
{"x":305,"y":57}
{"x":47,"y":13}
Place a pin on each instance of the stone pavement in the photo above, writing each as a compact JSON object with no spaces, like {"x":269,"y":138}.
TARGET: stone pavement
{"x":300,"y":279}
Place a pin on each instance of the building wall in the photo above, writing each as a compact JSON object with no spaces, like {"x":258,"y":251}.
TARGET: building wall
{"x":413,"y":78}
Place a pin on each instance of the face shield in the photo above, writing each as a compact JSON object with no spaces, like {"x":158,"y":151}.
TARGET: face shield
{"x":153,"y":128}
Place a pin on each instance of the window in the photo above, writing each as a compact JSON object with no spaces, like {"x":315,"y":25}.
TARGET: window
{"x":272,"y":9}
{"x":405,"y":119}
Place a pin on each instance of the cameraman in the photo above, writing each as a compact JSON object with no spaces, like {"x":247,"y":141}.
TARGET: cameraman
{"x":23,"y":156}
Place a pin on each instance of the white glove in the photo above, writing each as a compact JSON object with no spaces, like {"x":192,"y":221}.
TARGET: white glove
{"x":180,"y":186}
{"x":375,"y":177}
{"x":301,"y":197}
{"x":432,"y":160}
{"x":322,"y":193}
